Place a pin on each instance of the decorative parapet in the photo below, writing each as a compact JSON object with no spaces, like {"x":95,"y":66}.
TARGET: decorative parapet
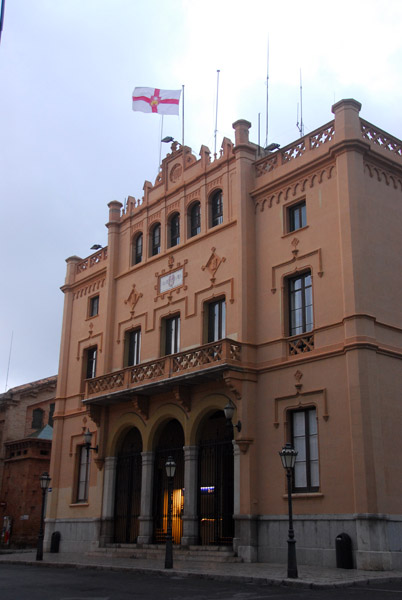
{"x":92,"y":260}
{"x":301,"y":344}
{"x":381,"y":138}
{"x":166,"y":367}
{"x":309,"y":142}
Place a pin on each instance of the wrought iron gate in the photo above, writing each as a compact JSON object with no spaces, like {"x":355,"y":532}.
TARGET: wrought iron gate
{"x":215,"y":492}
{"x":128,"y":493}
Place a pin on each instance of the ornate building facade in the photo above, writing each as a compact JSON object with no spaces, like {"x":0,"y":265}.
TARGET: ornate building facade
{"x":267,"y":280}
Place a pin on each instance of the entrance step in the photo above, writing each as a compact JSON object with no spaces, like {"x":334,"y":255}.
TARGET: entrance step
{"x":156,"y":551}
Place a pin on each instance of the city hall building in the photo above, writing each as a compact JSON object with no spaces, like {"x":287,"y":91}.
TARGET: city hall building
{"x":266,"y":280}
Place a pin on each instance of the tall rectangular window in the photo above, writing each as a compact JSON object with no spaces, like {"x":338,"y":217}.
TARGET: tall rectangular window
{"x":305,"y":441}
{"x":300,"y":304}
{"x":51,"y":413}
{"x":90,"y":370}
{"x":216,"y":320}
{"x":297,"y":216}
{"x":132,"y":347}
{"x":83,"y":474}
{"x":172,"y":335}
{"x":93,"y":306}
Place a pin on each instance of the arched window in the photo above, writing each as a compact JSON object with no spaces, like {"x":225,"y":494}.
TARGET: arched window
{"x":156,"y":239}
{"x":216,"y":209}
{"x":137,"y":249}
{"x":175,"y":230}
{"x":195,"y":219}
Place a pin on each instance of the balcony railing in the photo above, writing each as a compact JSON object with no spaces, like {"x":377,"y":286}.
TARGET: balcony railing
{"x":169,"y":367}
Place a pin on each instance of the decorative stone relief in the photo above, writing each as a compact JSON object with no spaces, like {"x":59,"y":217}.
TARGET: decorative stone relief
{"x":132,"y":299}
{"x":213,"y":264}
{"x":141,"y":406}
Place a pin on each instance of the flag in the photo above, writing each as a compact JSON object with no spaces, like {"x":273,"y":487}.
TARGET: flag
{"x":164,"y":102}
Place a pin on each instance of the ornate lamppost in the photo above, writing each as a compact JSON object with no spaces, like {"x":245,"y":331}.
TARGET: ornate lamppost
{"x":44,"y":484}
{"x":288,"y":457}
{"x":170,"y":466}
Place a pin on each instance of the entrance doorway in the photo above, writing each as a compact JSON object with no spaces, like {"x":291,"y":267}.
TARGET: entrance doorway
{"x":171,"y":442}
{"x":215,"y":482}
{"x":128,"y":488}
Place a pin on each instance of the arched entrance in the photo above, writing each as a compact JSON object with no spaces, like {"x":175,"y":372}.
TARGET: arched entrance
{"x":215,"y":481}
{"x":170,"y":443}
{"x":128,"y":488}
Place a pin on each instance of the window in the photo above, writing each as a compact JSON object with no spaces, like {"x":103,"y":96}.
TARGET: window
{"x":195,"y":219}
{"x":305,"y":441}
{"x":132,"y":347}
{"x":216,"y":209}
{"x":296,"y":217}
{"x":137,"y":250}
{"x":94,"y":306}
{"x":83,"y":474}
{"x":37,"y":418}
{"x":156,"y":240}
{"x":90,"y":370}
{"x":175,"y":230}
{"x":216,"y":320}
{"x":172,"y":335}
{"x":300,"y":304}
{"x":51,"y":413}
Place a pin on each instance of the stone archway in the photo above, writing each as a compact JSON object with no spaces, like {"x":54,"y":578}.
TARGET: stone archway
{"x":127,"y":505}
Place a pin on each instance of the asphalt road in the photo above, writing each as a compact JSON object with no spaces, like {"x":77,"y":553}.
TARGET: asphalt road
{"x":21,"y":582}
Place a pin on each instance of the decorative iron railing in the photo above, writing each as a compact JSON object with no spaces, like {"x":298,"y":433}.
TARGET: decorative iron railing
{"x":166,"y":367}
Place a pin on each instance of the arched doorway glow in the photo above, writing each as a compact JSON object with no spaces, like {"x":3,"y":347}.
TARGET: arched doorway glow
{"x":128,"y":488}
{"x":170,"y":443}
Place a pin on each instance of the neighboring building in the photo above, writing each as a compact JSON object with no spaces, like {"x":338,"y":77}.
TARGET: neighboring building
{"x":26,"y":427}
{"x":267,"y":279}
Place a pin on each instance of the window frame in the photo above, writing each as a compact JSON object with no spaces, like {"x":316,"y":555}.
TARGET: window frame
{"x":93,"y":306}
{"x":155,"y":243}
{"x":91,"y":358}
{"x":306,"y":293}
{"x":37,"y":418}
{"x":194,"y":219}
{"x":83,"y":474}
{"x":137,"y":249}
{"x":216,"y":208}
{"x":215,"y":314}
{"x":135,"y":352}
{"x":296,"y":216}
{"x":174,"y":229}
{"x":310,"y":439}
{"x":171,"y":335}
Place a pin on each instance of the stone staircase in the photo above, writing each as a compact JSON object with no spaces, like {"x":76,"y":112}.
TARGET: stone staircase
{"x":157,"y":552}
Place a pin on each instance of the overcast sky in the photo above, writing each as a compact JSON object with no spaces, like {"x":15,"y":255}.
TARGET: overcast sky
{"x":70,"y":143}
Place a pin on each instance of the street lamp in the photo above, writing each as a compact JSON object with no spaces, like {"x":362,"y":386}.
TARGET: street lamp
{"x":288,"y":457}
{"x":229,"y":412}
{"x":44,"y":484}
{"x":170,"y":467}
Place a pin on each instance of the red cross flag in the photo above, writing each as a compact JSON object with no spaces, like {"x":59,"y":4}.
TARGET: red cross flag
{"x":164,"y":102}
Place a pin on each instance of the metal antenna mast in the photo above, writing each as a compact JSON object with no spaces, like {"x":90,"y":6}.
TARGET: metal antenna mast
{"x":300,"y":126}
{"x":216,"y":112}
{"x":266,"y":107}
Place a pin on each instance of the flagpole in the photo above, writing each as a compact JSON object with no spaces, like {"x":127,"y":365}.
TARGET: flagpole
{"x":216,"y":112}
{"x":182,"y":119}
{"x":160,"y":142}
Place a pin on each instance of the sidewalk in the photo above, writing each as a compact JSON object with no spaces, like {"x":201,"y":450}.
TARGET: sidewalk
{"x":263,"y":573}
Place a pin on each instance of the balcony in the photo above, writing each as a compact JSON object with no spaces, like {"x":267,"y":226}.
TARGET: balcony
{"x":190,"y":367}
